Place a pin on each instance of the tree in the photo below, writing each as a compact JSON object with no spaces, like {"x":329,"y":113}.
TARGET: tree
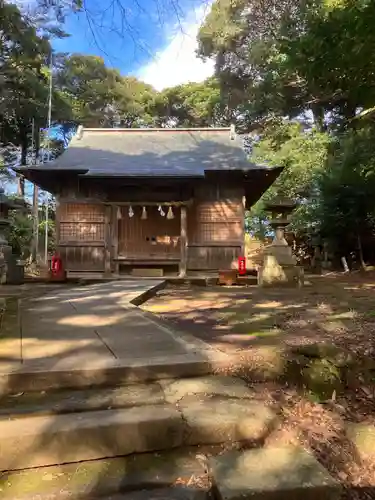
{"x":346,"y":212}
{"x":256,"y":81}
{"x":189,"y":105}
{"x":284,"y":57}
{"x":23,"y":86}
{"x":98,"y":96}
{"x":303,"y":152}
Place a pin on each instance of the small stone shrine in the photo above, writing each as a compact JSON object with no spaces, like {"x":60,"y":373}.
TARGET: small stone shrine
{"x":279,"y":266}
{"x":10,"y":271}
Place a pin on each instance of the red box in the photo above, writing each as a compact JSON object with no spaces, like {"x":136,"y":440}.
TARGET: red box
{"x":242,"y":266}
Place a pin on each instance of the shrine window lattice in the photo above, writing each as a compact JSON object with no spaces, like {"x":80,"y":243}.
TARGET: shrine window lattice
{"x":81,"y":222}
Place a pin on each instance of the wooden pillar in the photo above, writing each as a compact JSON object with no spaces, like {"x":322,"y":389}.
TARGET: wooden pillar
{"x":183,"y":241}
{"x":243,"y":220}
{"x":57,"y":223}
{"x":107,"y":241}
{"x":114,"y":237}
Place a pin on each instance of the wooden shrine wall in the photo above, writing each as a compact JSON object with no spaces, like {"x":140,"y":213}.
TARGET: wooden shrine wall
{"x":91,"y":234}
{"x":81,"y":236}
{"x":155,"y":237}
{"x":215,"y":227}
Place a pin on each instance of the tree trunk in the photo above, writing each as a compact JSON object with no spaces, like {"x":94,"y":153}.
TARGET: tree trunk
{"x":24,"y":144}
{"x":21,"y":186}
{"x":318,"y":114}
{"x":35,"y":239}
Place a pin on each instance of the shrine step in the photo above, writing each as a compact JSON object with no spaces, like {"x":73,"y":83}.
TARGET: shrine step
{"x":111,"y":374}
{"x":185,"y":412}
{"x":195,"y":473}
{"x":178,"y":475}
{"x":171,"y":391}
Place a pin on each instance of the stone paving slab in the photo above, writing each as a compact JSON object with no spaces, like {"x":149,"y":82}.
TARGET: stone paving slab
{"x":92,"y":325}
{"x":145,"y":336}
{"x":10,"y":333}
{"x":106,"y":478}
{"x":274,"y":473}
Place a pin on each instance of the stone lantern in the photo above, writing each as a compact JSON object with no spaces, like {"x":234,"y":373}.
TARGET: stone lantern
{"x":279,"y":264}
{"x":10,"y":271}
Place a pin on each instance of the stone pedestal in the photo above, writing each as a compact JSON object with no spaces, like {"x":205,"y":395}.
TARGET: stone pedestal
{"x":11,"y":272}
{"x":279,"y":265}
{"x":5,"y":256}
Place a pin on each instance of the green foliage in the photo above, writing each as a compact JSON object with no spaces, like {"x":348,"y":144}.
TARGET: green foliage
{"x":286,"y":57}
{"x":23,"y":85}
{"x":303,"y":154}
{"x":99,"y":96}
{"x":189,"y":105}
{"x":347,"y":190}
{"x":20,"y":234}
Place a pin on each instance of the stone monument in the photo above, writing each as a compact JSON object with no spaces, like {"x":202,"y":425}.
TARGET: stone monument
{"x":279,"y":267}
{"x":10,"y":271}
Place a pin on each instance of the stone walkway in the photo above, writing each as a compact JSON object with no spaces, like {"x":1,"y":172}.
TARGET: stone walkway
{"x":90,"y":326}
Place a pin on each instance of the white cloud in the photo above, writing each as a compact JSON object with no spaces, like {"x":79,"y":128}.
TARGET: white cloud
{"x":178,"y":63}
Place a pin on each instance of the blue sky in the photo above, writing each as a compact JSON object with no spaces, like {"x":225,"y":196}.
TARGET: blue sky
{"x":154,"y":40}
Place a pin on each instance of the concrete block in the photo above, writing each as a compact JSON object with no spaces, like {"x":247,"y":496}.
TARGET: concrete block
{"x":274,"y":473}
{"x":40,"y":441}
{"x":219,"y":420}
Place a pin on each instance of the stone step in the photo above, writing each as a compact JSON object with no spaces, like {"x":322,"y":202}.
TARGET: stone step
{"x":110,"y":398}
{"x":194,"y":473}
{"x":172,"y":493}
{"x":111,"y":373}
{"x":277,"y":473}
{"x":80,"y":400}
{"x":178,"y":475}
{"x":204,"y":410}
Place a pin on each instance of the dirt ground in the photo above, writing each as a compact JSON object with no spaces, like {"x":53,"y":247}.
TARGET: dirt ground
{"x":334,"y":309}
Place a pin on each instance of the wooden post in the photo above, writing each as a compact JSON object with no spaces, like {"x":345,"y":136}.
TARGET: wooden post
{"x":114,"y":237}
{"x":183,"y":241}
{"x":107,"y":241}
{"x":57,"y":222}
{"x":243,"y":220}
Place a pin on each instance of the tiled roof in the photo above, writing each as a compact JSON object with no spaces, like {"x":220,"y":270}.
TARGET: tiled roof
{"x":154,"y":152}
